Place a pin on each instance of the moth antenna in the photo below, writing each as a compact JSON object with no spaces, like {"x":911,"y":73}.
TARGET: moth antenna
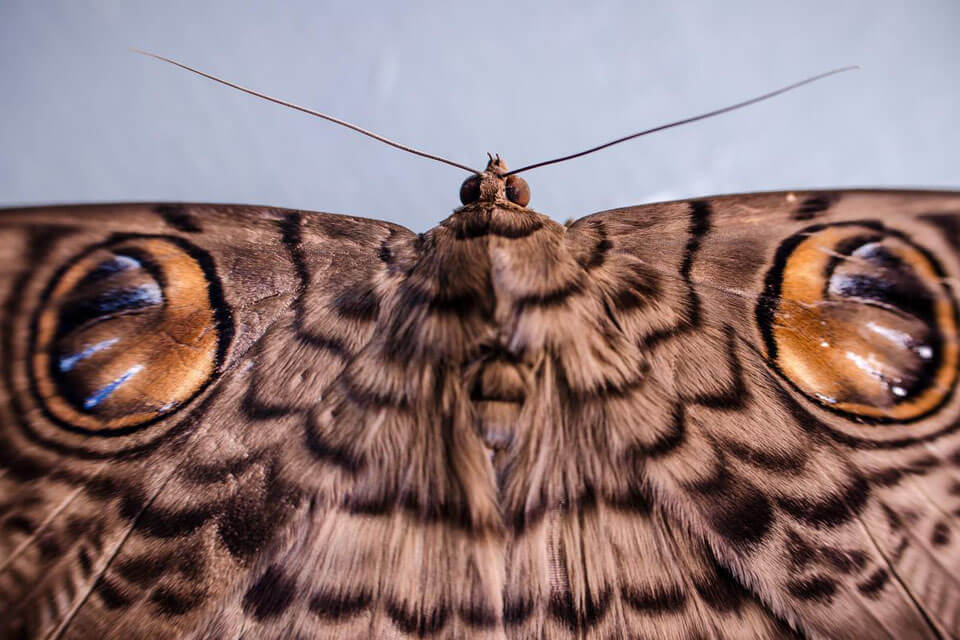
{"x":343,"y":123}
{"x":702,"y":116}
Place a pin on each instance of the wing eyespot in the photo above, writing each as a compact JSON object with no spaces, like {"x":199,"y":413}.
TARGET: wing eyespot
{"x":128,"y":332}
{"x":859,"y":319}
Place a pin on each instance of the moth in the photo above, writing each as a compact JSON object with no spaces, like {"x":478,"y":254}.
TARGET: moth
{"x":730,"y":417}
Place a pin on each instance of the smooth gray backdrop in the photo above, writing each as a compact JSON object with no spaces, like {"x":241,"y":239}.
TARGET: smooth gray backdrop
{"x":82,"y":119}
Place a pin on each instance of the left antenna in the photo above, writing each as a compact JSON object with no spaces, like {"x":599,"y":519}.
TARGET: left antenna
{"x":342,"y":123}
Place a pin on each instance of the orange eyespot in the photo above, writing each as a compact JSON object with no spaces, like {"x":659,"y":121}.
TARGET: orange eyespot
{"x":859,"y":318}
{"x":518,"y":191}
{"x":128,"y":333}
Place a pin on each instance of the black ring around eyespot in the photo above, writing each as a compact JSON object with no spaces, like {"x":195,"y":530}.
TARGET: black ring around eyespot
{"x":222,"y":318}
{"x":770,"y":298}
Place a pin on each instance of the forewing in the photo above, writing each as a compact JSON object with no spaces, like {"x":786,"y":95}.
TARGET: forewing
{"x":158,"y":362}
{"x":805,"y":345}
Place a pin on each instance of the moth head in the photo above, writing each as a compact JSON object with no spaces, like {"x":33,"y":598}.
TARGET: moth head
{"x":493,"y":185}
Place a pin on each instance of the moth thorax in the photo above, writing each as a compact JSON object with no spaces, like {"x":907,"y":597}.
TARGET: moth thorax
{"x":498,"y":394}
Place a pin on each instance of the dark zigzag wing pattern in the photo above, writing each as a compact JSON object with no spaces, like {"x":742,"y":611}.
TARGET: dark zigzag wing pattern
{"x":143,"y":534}
{"x":841,"y":527}
{"x":412,"y":544}
{"x":496,"y":429}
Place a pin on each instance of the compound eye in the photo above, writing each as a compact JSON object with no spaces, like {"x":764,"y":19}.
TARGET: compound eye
{"x":127,"y":334}
{"x":470,"y":190}
{"x":864,"y":323}
{"x":518,"y":191}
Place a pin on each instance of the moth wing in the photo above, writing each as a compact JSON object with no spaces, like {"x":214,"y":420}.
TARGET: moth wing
{"x":157,"y":526}
{"x":842,"y":523}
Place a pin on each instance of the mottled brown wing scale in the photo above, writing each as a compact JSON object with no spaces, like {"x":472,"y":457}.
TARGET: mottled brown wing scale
{"x":499,"y":429}
{"x":839,"y":497}
{"x":796,"y":501}
{"x":143,"y":533}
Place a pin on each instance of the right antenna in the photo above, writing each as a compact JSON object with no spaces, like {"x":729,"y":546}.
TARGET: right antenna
{"x":702,"y":116}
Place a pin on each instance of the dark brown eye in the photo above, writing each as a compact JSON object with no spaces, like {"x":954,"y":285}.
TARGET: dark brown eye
{"x":859,"y":318}
{"x":128,"y":333}
{"x":470,"y":190}
{"x":518,"y":191}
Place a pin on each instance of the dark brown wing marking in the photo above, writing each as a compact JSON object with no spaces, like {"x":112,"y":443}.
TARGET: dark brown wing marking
{"x":766,"y":461}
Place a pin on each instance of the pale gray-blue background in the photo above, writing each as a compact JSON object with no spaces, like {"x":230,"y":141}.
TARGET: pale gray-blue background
{"x":82,"y":119}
